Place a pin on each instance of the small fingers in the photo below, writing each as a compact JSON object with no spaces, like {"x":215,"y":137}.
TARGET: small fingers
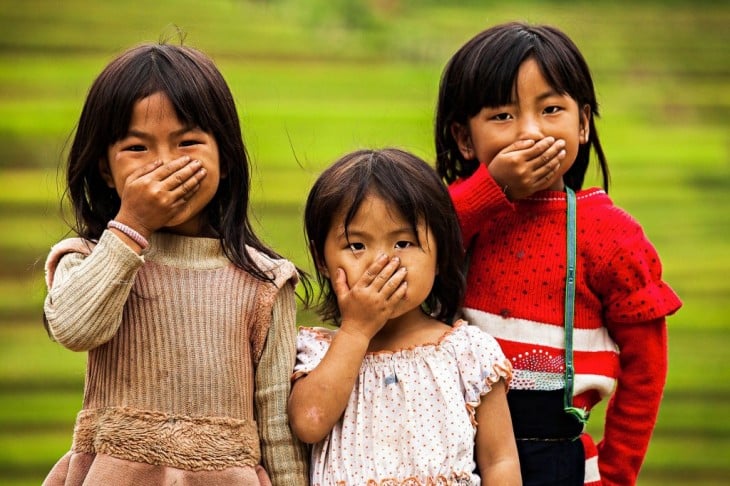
{"x":188,"y":188}
{"x":396,"y":286}
{"x":386,"y":274}
{"x":546,"y":150}
{"x":373,"y":271}
{"x":183,"y":177}
{"x":339,"y":283}
{"x":166,"y":169}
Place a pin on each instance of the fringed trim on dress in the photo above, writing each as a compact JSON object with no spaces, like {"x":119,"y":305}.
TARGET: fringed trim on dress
{"x":189,"y":443}
{"x":455,"y":479}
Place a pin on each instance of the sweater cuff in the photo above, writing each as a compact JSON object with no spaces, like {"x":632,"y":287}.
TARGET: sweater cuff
{"x":479,"y":192}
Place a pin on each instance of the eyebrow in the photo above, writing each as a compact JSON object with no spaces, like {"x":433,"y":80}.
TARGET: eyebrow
{"x":397,"y":231}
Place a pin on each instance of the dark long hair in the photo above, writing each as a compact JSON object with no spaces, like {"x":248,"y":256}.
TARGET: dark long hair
{"x":201,"y":98}
{"x":412,"y":188}
{"x":483,"y":72}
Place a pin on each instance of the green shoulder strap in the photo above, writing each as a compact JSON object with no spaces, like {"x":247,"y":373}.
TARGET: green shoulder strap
{"x":580,"y":413}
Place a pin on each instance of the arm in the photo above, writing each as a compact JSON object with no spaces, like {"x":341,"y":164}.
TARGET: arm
{"x":475,"y":199}
{"x":516,"y":172}
{"x":632,"y":411}
{"x":283,"y":456}
{"x":319,"y":398}
{"x":496,"y":451}
{"x":86,"y":298}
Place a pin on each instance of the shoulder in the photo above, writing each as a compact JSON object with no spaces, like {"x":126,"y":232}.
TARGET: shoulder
{"x":473,"y":337}
{"x":606,"y":226}
{"x":280,"y":269}
{"x":312,"y":345}
{"x":595,"y":204}
{"x":321,"y":334}
{"x":480,"y":359}
{"x":62,"y":248}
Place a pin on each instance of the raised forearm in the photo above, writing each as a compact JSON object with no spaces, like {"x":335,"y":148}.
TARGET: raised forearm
{"x":318,"y":399}
{"x":85,"y":302}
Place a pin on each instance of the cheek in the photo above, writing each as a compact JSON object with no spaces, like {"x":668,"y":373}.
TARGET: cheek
{"x":486,"y":151}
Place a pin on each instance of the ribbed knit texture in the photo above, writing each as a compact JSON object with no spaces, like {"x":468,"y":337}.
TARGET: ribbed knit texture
{"x":181,"y":336}
{"x":515,"y":291}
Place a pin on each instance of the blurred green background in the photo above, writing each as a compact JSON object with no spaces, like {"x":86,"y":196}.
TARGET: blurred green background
{"x":314,"y":79}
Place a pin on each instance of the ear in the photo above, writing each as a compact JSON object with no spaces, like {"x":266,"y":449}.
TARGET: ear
{"x":463,"y":140}
{"x":106,"y":173}
{"x":584,"y":131}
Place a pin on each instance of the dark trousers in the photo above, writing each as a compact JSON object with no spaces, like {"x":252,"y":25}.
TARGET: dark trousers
{"x":548,"y":439}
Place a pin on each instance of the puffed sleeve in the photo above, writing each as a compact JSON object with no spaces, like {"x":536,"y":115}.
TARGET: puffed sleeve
{"x":312,"y":344}
{"x":632,"y":286}
{"x":481,"y":363}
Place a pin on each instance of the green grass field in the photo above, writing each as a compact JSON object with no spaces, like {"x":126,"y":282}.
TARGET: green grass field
{"x":315,"y":80}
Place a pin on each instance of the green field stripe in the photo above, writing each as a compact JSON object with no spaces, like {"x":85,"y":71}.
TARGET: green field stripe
{"x":31,"y":455}
{"x":38,"y":410}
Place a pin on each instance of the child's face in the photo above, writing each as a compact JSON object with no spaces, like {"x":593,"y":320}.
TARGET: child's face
{"x":155,"y":133}
{"x":374,"y":230}
{"x":537,"y":112}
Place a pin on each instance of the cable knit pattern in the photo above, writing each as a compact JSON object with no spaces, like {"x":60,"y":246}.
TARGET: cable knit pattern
{"x":174,"y":338}
{"x":515,"y":291}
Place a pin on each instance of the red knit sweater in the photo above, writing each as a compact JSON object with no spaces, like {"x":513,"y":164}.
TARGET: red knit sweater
{"x":515,"y":291}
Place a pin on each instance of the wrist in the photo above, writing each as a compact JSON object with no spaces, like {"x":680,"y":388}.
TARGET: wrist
{"x":355,"y":337}
{"x":129,"y":232}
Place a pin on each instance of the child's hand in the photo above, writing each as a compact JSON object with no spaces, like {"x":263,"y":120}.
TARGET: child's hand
{"x":367,"y":306}
{"x":154,"y":194}
{"x":527,"y":166}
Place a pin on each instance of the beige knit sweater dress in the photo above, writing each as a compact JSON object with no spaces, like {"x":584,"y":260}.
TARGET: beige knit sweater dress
{"x":189,"y":364}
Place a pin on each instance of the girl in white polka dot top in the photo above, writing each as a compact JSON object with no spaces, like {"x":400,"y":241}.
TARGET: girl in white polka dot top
{"x":395,"y":395}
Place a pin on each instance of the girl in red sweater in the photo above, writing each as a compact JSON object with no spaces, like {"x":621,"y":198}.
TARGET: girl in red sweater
{"x":515,"y":128}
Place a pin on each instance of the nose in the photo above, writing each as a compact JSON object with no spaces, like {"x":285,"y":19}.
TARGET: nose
{"x":530,"y":128}
{"x":166,"y":152}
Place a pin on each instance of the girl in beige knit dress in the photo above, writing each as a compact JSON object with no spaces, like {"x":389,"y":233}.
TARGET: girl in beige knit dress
{"x":187,"y":317}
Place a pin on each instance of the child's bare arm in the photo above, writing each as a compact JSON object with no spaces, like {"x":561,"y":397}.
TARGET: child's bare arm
{"x":496,"y":451}
{"x":318,"y":399}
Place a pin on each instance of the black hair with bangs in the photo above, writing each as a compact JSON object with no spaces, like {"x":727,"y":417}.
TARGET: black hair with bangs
{"x":483,"y":73}
{"x":411,"y":187}
{"x":201,"y":98}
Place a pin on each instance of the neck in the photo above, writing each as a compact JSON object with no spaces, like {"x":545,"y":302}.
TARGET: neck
{"x":413,"y":328}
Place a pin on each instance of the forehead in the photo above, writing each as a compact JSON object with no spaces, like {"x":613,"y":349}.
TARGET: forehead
{"x":153,"y":108}
{"x":373,"y":209}
{"x":530,"y":77}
